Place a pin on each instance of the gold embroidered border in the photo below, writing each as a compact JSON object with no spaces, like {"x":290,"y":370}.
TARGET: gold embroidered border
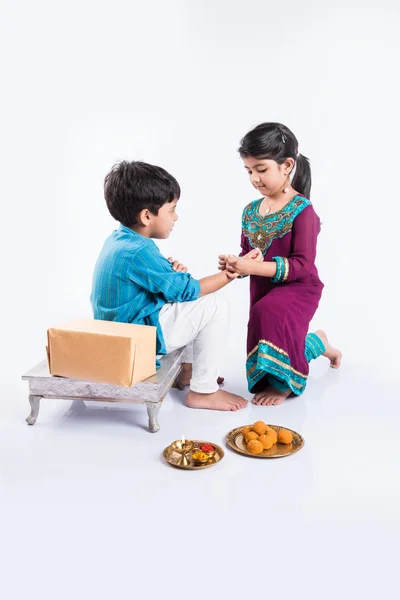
{"x":282,"y":364}
{"x":263,"y":239}
{"x":271,"y":345}
{"x":272,"y":358}
{"x":278,"y":362}
{"x":250,"y":371}
{"x":297,"y":385}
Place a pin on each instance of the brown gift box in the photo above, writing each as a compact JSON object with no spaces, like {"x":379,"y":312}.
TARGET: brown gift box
{"x":103,"y":351}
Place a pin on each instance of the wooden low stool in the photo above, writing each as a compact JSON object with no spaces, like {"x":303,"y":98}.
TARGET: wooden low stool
{"x":150,"y":392}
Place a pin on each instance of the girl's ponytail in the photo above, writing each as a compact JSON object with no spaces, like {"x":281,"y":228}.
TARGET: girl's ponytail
{"x":302,"y":176}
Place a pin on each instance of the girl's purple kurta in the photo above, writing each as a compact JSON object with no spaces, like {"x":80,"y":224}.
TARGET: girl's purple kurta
{"x":281,"y":308}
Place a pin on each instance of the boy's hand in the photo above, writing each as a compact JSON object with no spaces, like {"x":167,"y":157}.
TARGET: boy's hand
{"x":254,"y":254}
{"x":230,"y":276}
{"x":177,"y":266}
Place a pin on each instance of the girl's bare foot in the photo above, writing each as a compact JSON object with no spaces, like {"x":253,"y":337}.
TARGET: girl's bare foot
{"x":186,"y":376}
{"x":333,"y":354}
{"x":271,"y":396}
{"x":219,"y":400}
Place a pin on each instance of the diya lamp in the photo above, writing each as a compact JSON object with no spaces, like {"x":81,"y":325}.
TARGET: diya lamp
{"x":184,"y":448}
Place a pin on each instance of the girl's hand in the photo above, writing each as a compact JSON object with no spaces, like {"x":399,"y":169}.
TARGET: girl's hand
{"x":254,"y":254}
{"x":222,"y":267}
{"x":240,"y":266}
{"x":177,"y":266}
{"x":222,"y":262}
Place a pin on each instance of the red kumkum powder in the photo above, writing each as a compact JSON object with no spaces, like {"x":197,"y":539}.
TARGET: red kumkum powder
{"x":207,"y":448}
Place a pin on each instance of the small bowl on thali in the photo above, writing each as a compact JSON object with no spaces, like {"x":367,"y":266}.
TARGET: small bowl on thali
{"x":199,"y":457}
{"x":207,"y":450}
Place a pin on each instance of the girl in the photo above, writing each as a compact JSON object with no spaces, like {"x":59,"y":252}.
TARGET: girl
{"x":281,"y":230}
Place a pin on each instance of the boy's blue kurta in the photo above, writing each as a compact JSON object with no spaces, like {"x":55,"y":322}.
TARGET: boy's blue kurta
{"x":132,"y":281}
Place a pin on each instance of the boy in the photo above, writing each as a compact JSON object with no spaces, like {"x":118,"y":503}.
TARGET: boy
{"x":134,"y":283}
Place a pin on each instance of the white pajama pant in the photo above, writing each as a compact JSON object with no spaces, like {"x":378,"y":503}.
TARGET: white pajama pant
{"x":202,"y":326}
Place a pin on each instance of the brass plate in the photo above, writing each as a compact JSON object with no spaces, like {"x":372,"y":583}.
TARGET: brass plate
{"x":173,"y":457}
{"x":235,"y":440}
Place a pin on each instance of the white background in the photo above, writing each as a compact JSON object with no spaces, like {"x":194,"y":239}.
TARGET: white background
{"x":177,"y":83}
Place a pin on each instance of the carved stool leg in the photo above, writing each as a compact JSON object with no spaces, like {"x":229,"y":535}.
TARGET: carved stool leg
{"x":153,"y":409}
{"x":35,"y":405}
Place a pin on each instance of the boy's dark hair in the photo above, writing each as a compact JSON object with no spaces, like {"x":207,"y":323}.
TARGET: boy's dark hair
{"x":274,"y":141}
{"x":132,"y":186}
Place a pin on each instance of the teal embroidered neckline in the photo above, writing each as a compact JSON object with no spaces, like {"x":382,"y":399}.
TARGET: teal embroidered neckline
{"x":261,"y":231}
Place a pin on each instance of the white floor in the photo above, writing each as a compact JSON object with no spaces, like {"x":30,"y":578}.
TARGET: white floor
{"x":90,"y":510}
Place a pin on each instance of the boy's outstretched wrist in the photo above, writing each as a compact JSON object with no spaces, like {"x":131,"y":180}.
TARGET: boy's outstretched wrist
{"x":228,"y":276}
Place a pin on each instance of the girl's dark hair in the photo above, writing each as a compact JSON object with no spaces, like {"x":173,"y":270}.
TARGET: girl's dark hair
{"x":132,"y":186}
{"x":274,"y":141}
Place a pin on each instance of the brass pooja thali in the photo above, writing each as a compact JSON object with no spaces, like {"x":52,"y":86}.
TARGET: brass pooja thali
{"x":183,"y":455}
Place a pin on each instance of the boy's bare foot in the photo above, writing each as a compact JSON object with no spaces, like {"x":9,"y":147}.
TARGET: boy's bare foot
{"x":219,"y":400}
{"x":270,"y":397}
{"x":333,"y":354}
